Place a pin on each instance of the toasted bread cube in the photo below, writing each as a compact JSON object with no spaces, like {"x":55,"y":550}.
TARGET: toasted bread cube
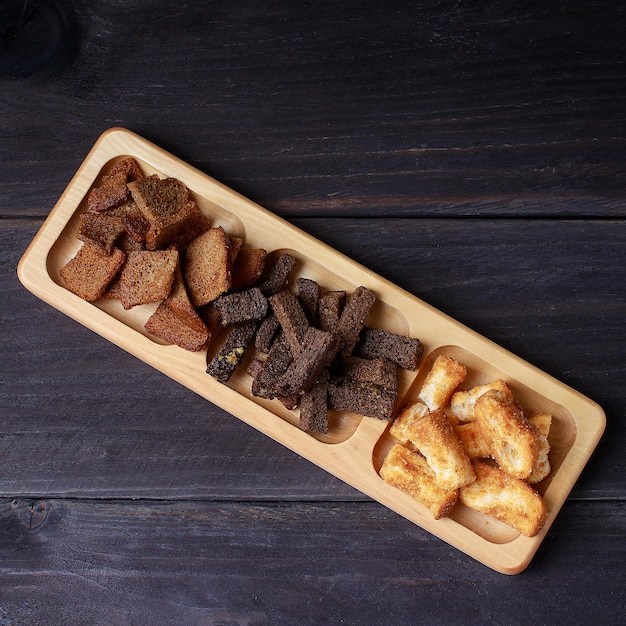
{"x":434,"y":437}
{"x":513,"y":441}
{"x":472,"y":440}
{"x":100,"y":230}
{"x":208,"y":266}
{"x":90,"y":271}
{"x":445,"y":375}
{"x":408,"y":471}
{"x":159,"y":198}
{"x":405,"y":421}
{"x":542,"y":466}
{"x":462,"y":402}
{"x":248,"y":267}
{"x":147,"y":277}
{"x":166,"y":324}
{"x":509,"y":500}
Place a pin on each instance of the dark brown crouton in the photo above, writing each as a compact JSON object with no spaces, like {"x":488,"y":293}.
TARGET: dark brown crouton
{"x":314,"y":407}
{"x":309,"y":296}
{"x":100,"y":229}
{"x":363,"y":398}
{"x":329,"y":310}
{"x":241,"y":306}
{"x":278,"y":275}
{"x":319,"y":350}
{"x":266,"y":333}
{"x":381,"y":372}
{"x":248,"y":267}
{"x":224,"y":363}
{"x":353,"y":317}
{"x":292,"y":318}
{"x":404,"y":351}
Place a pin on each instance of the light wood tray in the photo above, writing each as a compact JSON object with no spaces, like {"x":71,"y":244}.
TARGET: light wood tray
{"x":355,"y":446}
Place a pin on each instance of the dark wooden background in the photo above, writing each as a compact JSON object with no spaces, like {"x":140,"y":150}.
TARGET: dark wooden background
{"x":472,"y":153}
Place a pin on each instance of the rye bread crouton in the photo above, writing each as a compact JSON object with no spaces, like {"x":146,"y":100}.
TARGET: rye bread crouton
{"x":113,"y":190}
{"x":166,"y":324}
{"x":147,"y":277}
{"x":90,"y":271}
{"x":314,"y":407}
{"x":292,"y":318}
{"x":363,"y":398}
{"x":309,"y":296}
{"x":376,"y":343}
{"x":248,"y":267}
{"x":277,"y":277}
{"x":208,"y":268}
{"x":223,"y":364}
{"x":100,"y":229}
{"x":353,"y":317}
{"x":329,"y":309}
{"x":241,"y":306}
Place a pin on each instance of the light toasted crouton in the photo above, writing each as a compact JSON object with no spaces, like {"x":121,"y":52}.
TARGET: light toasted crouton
{"x":408,"y":471}
{"x":509,"y":500}
{"x":542,"y":467}
{"x":472,"y":440}
{"x":513,"y":441}
{"x":444,"y":377}
{"x":435,"y":438}
{"x":90,"y":271}
{"x":462,"y":402}
{"x":404,"y":422}
{"x":208,"y":266}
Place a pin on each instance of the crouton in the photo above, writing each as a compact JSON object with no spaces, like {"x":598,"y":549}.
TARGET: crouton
{"x":462,"y":402}
{"x":405,"y":421}
{"x":509,"y":500}
{"x":147,"y":277}
{"x":208,"y":266}
{"x":90,"y":271}
{"x":513,"y":441}
{"x":374,"y":343}
{"x":445,"y":375}
{"x":408,"y":471}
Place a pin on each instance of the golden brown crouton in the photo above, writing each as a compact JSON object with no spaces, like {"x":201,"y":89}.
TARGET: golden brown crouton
{"x":513,"y":441}
{"x":472,"y":440}
{"x":509,"y":500}
{"x":462,"y":402}
{"x":90,"y":271}
{"x":444,"y":377}
{"x":434,"y":437}
{"x":208,"y":270}
{"x":147,"y":277}
{"x":406,"y":419}
{"x":408,"y":471}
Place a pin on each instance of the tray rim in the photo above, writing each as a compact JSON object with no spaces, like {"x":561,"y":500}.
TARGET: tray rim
{"x":508,"y":558}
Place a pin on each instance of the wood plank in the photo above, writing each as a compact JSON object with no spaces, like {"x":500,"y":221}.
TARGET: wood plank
{"x":80,"y":561}
{"x":79,"y":414}
{"x":429,"y":109}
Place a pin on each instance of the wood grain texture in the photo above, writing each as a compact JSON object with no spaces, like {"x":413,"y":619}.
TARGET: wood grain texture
{"x":314,"y":108}
{"x":77,"y":561}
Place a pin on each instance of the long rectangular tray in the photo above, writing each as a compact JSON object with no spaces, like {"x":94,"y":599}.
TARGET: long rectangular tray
{"x":355,"y":446}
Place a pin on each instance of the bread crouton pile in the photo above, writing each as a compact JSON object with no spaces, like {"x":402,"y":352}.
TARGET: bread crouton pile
{"x":476,"y":446}
{"x":146,"y":241}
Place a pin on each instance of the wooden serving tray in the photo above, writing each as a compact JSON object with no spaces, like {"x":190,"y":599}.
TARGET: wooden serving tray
{"x":355,"y":446}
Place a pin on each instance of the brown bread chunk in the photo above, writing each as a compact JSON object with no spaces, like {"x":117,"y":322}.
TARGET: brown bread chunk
{"x":380,"y":372}
{"x":225,"y":362}
{"x":275,"y":365}
{"x":314,"y":407}
{"x":292,"y":318}
{"x":159,"y":198}
{"x":375,"y":343}
{"x":241,"y":306}
{"x":147,"y":277}
{"x":208,"y":266}
{"x":278,"y":275}
{"x":329,"y":310}
{"x":90,"y":271}
{"x":267,"y":333}
{"x":168,"y":325}
{"x":353,"y":317}
{"x":248,"y":267}
{"x":100,"y":230}
{"x":113,"y":191}
{"x":319,"y":349}
{"x":309,"y":296}
{"x":363,"y":398}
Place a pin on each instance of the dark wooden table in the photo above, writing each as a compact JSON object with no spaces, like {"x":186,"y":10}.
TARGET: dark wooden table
{"x":472,"y":153}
